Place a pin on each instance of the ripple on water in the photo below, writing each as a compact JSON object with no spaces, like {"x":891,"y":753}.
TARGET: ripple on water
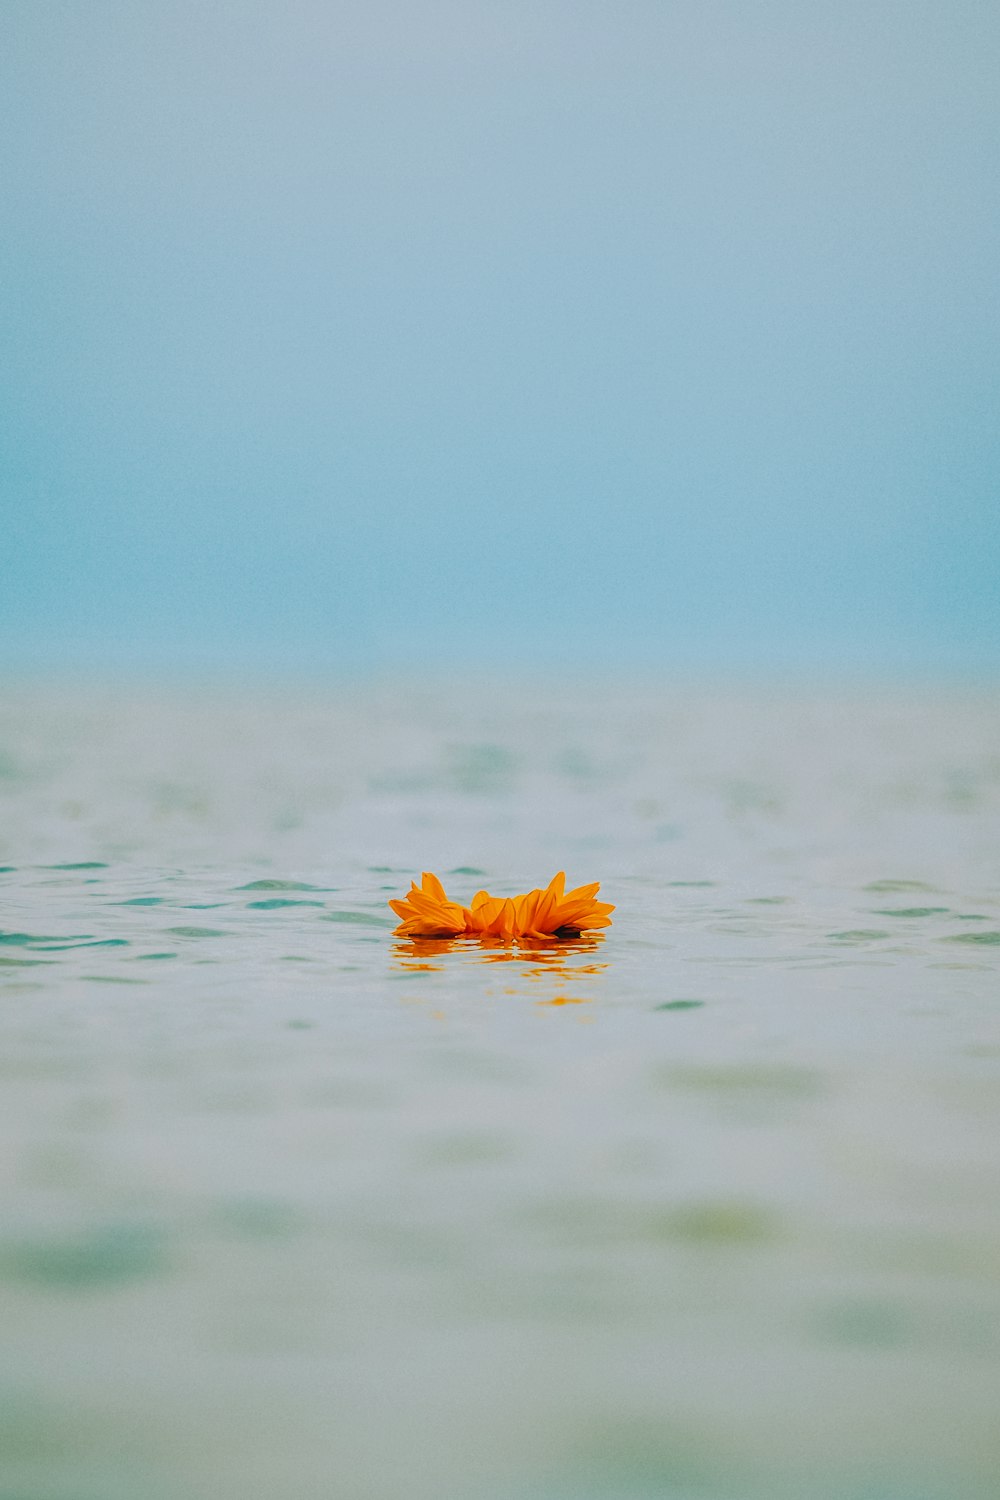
{"x":196,"y":932}
{"x":106,"y":1256}
{"x":861,"y":1322}
{"x":887,"y":887}
{"x":47,"y":943}
{"x":94,"y":943}
{"x":358,"y":918}
{"x":258,"y":1217}
{"x":704,"y":1222}
{"x":747,"y":1080}
{"x":613,"y":1454}
{"x":858,"y":935}
{"x":83,"y":864}
{"x":911,"y":911}
{"x":277,"y":902}
{"x":280,"y":885}
{"x":25,"y":939}
{"x":753,"y":1092}
{"x":111,"y":979}
{"x":721,"y":1222}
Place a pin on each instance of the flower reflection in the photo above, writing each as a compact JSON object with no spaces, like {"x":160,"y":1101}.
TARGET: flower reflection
{"x":549,"y":955}
{"x":553,"y":963}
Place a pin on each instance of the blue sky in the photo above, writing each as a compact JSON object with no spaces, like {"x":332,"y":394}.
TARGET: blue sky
{"x":654,"y":333}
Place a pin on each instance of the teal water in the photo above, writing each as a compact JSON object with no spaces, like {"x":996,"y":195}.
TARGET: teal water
{"x":709,"y":1207}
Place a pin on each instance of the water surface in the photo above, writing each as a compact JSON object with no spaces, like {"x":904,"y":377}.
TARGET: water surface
{"x":705,"y":1207}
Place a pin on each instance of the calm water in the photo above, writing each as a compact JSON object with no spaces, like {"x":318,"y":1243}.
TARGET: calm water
{"x":709,"y":1208}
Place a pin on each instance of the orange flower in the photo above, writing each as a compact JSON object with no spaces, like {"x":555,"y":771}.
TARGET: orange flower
{"x":426,"y":912}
